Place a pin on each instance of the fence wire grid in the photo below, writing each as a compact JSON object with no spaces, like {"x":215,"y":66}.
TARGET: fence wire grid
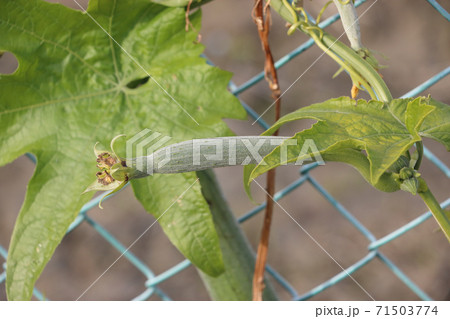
{"x":373,"y":253}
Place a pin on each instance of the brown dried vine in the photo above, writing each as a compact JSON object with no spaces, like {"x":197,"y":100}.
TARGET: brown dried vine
{"x":188,"y":22}
{"x":261,"y":17}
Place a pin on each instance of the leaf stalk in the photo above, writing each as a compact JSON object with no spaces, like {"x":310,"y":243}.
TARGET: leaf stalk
{"x":436,"y":209}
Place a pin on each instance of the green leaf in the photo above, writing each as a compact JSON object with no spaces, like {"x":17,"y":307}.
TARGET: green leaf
{"x":187,"y":220}
{"x":248,"y":169}
{"x":437,"y":124}
{"x":75,"y":86}
{"x":347,"y":127}
{"x":181,"y":3}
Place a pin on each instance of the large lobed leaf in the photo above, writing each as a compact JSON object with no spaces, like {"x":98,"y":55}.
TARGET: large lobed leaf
{"x":347,"y":127}
{"x":70,"y":91}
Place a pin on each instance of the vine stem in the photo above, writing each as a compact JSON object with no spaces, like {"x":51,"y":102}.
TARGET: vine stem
{"x":349,"y":18}
{"x":261,"y":17}
{"x":354,"y":64}
{"x":239,"y":259}
{"x":436,"y":209}
{"x":357,"y":77}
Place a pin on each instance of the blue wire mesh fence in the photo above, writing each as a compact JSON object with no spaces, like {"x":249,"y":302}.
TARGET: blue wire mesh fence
{"x":373,"y":248}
